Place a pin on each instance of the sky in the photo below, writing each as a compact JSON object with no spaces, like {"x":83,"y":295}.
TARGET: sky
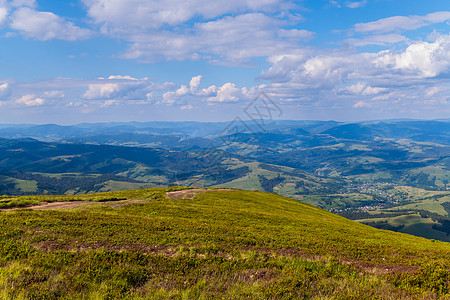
{"x":76,"y":61}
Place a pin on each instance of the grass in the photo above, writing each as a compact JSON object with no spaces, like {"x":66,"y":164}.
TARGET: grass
{"x":112,"y":185}
{"x":221,"y":244}
{"x":26,"y":186}
{"x":26,"y":201}
{"x":429,"y":205}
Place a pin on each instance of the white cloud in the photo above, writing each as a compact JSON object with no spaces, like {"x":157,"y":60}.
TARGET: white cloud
{"x":422,"y":59}
{"x":295,"y":33}
{"x":195,"y":83}
{"x":127,"y":16}
{"x":433,"y":91}
{"x":3,"y":12}
{"x":46,"y":26}
{"x":361,"y":104}
{"x":437,"y":17}
{"x":313,"y":72}
{"x":171,"y":97}
{"x":387,"y":80}
{"x":53,"y":95}
{"x":126,"y":77}
{"x":101,"y":91}
{"x":356,"y":4}
{"x":107,"y":103}
{"x":4,"y":89}
{"x":200,"y":29}
{"x":349,"y":4}
{"x":30,"y":100}
{"x":226,"y":93}
{"x":210,"y":90}
{"x":414,"y":65}
{"x":361,"y":88}
{"x":402,"y":23}
{"x":373,"y":90}
{"x":120,"y":87}
{"x":232,"y":38}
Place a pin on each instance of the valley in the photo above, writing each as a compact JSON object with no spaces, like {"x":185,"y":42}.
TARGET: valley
{"x":400,"y":168}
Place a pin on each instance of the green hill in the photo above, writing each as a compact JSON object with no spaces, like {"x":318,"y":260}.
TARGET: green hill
{"x":188,"y":243}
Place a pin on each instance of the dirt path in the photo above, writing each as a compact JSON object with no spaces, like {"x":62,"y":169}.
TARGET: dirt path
{"x":190,"y":194}
{"x":74,"y":204}
{"x":183,"y":194}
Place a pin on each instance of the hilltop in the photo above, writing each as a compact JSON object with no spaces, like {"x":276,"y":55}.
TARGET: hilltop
{"x":190,"y":243}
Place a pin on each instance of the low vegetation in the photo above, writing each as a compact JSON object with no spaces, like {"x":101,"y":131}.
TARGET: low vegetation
{"x":220,"y":244}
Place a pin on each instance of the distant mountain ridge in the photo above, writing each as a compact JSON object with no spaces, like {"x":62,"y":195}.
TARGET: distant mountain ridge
{"x":341,"y":167}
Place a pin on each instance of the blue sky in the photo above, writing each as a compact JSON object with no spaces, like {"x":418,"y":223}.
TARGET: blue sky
{"x":142,"y":60}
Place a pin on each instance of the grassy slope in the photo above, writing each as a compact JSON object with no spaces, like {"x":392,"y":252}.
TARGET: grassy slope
{"x":220,"y":244}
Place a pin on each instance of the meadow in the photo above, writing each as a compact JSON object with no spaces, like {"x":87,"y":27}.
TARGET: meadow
{"x":218,"y":244}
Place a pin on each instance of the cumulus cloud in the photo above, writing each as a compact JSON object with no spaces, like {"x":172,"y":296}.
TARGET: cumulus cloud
{"x":122,"y":87}
{"x":102,"y":91}
{"x":422,"y":59}
{"x":361,"y":88}
{"x":96,"y":93}
{"x":191,"y":90}
{"x":417,"y":63}
{"x":7,"y":6}
{"x":30,"y":100}
{"x":226,"y":93}
{"x":46,"y":26}
{"x":383,"y":80}
{"x":231,"y":38}
{"x":195,"y":83}
{"x":4,"y":89}
{"x":313,"y":72}
{"x":172,"y":97}
{"x":199,"y":29}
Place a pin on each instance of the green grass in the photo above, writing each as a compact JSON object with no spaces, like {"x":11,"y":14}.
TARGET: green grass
{"x":221,"y":244}
{"x":26,"y":201}
{"x":26,"y":186}
{"x":112,"y":185}
{"x":413,"y":224}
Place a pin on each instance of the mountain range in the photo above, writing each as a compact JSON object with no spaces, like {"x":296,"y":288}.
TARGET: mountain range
{"x":347,"y":168}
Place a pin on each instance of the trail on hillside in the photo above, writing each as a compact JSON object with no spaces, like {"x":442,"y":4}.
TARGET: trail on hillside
{"x":74,"y":204}
{"x":190,"y":194}
{"x":183,"y":194}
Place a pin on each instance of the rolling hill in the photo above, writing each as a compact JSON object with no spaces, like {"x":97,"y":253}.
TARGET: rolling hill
{"x":191,"y":243}
{"x":341,"y":167}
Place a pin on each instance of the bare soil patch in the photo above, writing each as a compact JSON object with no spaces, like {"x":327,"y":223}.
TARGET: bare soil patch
{"x":74,"y":204}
